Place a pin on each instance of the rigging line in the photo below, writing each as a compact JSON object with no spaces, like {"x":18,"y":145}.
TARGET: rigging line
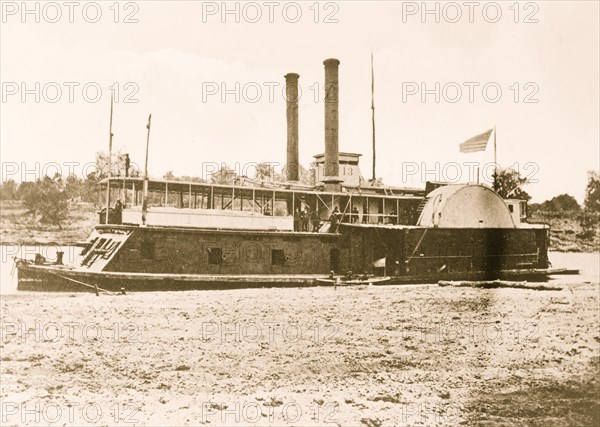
{"x":417,"y":246}
{"x":349,"y":200}
{"x":387,"y":251}
{"x":81,"y":283}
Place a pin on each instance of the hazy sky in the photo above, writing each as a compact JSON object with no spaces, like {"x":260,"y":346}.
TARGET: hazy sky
{"x":179,"y":56}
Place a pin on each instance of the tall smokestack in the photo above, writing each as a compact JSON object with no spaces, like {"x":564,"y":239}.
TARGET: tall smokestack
{"x":332,"y":164}
{"x":291,"y":92}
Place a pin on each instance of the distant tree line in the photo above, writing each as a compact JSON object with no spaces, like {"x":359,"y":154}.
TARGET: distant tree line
{"x":47,"y":198}
{"x":565,"y":203}
{"x":565,"y":206}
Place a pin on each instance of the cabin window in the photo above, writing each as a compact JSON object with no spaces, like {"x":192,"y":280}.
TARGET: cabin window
{"x":215,"y":256}
{"x":511,"y":208}
{"x":147,"y":249}
{"x":523,"y":209}
{"x":277,"y":257}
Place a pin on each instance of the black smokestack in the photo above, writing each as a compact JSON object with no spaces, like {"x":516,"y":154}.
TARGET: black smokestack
{"x":332,"y":154}
{"x":291,"y":92}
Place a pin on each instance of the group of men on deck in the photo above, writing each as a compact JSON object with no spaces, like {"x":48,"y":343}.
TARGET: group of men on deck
{"x":304,"y":220}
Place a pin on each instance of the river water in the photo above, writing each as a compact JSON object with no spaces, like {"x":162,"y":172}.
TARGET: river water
{"x":587,"y":263}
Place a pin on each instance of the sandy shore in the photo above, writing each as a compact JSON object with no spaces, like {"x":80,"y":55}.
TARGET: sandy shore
{"x":406,"y":355}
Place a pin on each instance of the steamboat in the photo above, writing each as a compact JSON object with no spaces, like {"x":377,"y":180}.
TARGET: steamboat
{"x":172,"y":235}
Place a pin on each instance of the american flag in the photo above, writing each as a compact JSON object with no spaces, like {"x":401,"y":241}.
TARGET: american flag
{"x":477,"y":143}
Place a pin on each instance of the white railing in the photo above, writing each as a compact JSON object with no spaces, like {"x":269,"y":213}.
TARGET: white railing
{"x":208,"y":218}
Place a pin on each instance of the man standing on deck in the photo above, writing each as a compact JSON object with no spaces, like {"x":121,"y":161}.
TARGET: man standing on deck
{"x":354,"y":216}
{"x":335,"y":220}
{"x":297,"y":220}
{"x":118,"y":212}
{"x":316,"y":221}
{"x":305,"y":219}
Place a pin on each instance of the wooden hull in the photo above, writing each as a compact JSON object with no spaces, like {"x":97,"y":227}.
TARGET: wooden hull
{"x":55,"y":279}
{"x":46,"y":278}
{"x":169,"y":259}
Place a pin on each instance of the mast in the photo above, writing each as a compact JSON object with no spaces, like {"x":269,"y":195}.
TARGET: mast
{"x":110,"y":138}
{"x":495,"y":163}
{"x":373,"y":113}
{"x":145,"y":196}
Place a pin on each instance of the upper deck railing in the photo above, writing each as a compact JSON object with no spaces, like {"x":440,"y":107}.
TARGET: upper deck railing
{"x":306,"y":205}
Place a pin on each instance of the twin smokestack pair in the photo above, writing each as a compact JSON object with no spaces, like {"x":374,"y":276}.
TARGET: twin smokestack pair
{"x":332,"y":167}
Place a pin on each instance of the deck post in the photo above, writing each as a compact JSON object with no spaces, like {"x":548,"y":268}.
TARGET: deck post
{"x":110,"y":138}
{"x":145,"y":195}
{"x":350,"y":215}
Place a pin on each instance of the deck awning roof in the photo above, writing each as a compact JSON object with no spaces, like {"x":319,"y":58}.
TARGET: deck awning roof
{"x":295,"y":188}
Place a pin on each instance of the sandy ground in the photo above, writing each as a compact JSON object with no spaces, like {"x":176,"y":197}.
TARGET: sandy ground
{"x":390,"y":355}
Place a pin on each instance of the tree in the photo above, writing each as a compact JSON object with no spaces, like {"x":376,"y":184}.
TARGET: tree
{"x":90,"y":190}
{"x":8,"y":190}
{"x":48,"y":199}
{"x":24,"y":189}
{"x":561,"y":204}
{"x":117,"y":165}
{"x":308,"y":176}
{"x":266,"y":172}
{"x":592,"y":192}
{"x":170,"y":176}
{"x":224,"y":175}
{"x":74,"y":187}
{"x":590,"y":217}
{"x":508,"y":184}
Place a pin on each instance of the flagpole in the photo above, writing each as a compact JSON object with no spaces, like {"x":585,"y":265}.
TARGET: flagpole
{"x":145,"y":196}
{"x":373,"y":113}
{"x":110,"y":137}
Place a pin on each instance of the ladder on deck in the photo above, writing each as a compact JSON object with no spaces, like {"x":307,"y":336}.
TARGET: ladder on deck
{"x":421,"y":207}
